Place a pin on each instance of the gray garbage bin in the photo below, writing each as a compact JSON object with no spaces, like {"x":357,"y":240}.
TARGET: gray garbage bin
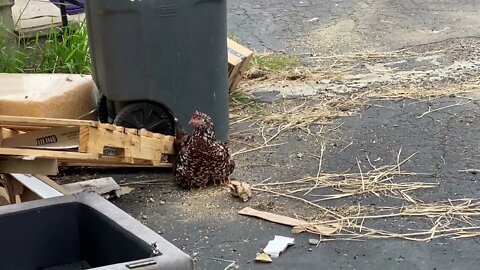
{"x":157,"y":61}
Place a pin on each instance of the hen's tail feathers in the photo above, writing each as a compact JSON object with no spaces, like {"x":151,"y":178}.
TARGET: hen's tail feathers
{"x":179,"y":139}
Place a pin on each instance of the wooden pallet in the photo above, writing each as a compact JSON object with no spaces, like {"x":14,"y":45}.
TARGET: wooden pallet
{"x":96,"y":144}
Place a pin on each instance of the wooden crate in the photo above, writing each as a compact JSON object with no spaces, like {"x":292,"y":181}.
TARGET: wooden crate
{"x":238,"y":59}
{"x":86,"y":143}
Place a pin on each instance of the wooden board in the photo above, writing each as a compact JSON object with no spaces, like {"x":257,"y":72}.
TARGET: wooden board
{"x":23,"y":121}
{"x":53,"y":184}
{"x":7,"y":133}
{"x":47,"y":138}
{"x":101,"y":164}
{"x":94,"y":143}
{"x":102,"y":186}
{"x":129,"y":147}
{"x":43,"y":166}
{"x":37,"y":186}
{"x":46,"y":153}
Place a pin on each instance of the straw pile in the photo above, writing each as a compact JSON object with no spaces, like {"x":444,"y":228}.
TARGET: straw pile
{"x":456,"y":218}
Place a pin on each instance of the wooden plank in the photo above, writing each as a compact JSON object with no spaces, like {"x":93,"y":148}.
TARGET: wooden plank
{"x":21,"y":128}
{"x":99,"y":138}
{"x":131,"y":131}
{"x":53,"y":184}
{"x":94,"y":140}
{"x":299,"y":225}
{"x":48,"y":138}
{"x":113,"y":165}
{"x":42,"y":122}
{"x":146,"y":133}
{"x":7,"y":133}
{"x":102,"y":186}
{"x":107,"y":126}
{"x":83,"y":139}
{"x":37,"y":186}
{"x":46,"y":153}
{"x":44,"y":166}
{"x":4,"y":194}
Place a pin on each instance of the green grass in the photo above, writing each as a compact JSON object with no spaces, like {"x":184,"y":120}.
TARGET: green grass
{"x":247,"y":102}
{"x":62,"y":51}
{"x":274,"y":62}
{"x":234,"y":37}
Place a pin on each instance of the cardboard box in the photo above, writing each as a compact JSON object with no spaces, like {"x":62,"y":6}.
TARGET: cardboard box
{"x":56,"y":138}
{"x":238,"y":59}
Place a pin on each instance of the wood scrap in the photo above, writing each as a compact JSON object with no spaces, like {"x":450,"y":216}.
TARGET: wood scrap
{"x":126,"y":190}
{"x":48,"y":138}
{"x":297,"y":224}
{"x":29,"y":165}
{"x":106,"y":187}
{"x":35,"y":185}
{"x":87,"y":142}
{"x":53,"y":184}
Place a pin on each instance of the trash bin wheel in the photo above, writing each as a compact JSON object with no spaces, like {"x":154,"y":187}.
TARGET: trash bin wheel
{"x":150,"y":116}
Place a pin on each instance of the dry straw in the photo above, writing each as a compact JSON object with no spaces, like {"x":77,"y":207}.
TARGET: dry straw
{"x":450,"y":218}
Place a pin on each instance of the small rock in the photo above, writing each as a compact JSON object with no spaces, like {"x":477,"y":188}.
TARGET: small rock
{"x":299,"y":155}
{"x":151,"y":200}
{"x":162,"y":202}
{"x":144,"y":217}
{"x":195,"y":254}
{"x":309,"y":250}
{"x":313,"y":241}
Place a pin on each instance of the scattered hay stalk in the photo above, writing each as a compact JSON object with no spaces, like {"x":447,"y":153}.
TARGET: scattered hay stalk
{"x":449,"y":219}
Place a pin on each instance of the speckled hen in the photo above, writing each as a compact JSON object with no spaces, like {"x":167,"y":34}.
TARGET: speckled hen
{"x":201,"y":158}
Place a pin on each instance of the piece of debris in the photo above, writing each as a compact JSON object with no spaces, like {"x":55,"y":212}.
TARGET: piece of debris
{"x":297,"y":224}
{"x":95,"y":144}
{"x":241,"y":190}
{"x":23,"y":187}
{"x":278,"y":245}
{"x":262,"y":257}
{"x":126,"y":190}
{"x":106,"y":187}
{"x":238,"y":59}
{"x":472,"y":171}
{"x":255,"y":73}
{"x":295,"y":76}
{"x":313,"y":241}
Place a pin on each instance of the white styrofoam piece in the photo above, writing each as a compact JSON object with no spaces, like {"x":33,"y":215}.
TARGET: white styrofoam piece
{"x":278,"y":245}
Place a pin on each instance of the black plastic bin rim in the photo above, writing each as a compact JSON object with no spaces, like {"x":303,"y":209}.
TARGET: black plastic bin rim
{"x":170,"y":257}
